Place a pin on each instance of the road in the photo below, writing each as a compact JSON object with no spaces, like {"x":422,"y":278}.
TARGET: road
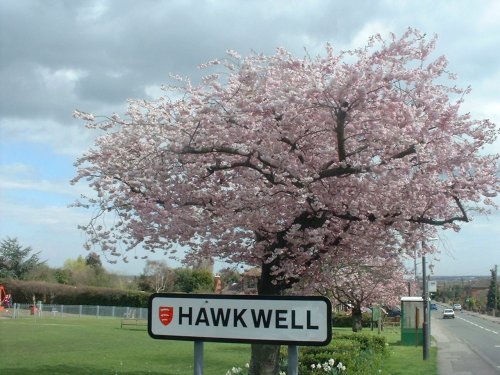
{"x":468,"y":344}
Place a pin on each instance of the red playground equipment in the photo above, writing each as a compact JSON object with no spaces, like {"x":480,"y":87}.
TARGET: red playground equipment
{"x":5,"y":300}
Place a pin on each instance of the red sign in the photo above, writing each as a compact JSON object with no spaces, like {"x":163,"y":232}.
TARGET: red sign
{"x":166,"y":314}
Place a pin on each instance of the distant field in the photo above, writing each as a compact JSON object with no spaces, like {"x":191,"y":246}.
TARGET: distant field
{"x":50,"y":346}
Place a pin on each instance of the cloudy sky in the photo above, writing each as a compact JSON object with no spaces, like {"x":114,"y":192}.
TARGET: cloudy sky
{"x":57,"y":56}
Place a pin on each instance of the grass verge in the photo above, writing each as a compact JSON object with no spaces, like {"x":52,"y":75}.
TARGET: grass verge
{"x":401,"y":360}
{"x":52,"y":346}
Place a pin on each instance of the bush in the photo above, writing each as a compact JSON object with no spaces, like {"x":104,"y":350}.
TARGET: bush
{"x":374,"y":343}
{"x":345,"y":320}
{"x":359,"y":353}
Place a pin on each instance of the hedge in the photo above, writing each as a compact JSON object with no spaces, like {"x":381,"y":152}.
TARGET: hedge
{"x":53,"y":293}
{"x":345,"y":319}
{"x":359,"y":353}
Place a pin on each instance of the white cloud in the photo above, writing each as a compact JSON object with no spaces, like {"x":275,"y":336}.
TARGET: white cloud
{"x":64,"y":139}
{"x":19,"y":169}
{"x":371,"y":28}
{"x":490,"y":17}
{"x":23,"y":180}
{"x":58,"y":218}
{"x":47,"y":186}
{"x":61,"y":80}
{"x":91,"y":11}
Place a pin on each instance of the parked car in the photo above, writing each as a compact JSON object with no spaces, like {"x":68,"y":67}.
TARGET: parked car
{"x":434,"y":306}
{"x":392,"y":313}
{"x":457,"y":307}
{"x":448,"y":314}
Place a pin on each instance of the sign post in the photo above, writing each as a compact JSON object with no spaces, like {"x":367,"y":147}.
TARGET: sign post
{"x":280,"y":320}
{"x":198,"y":358}
{"x":293,"y":360}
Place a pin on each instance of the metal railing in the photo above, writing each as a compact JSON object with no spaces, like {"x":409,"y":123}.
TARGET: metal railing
{"x":19,"y":310}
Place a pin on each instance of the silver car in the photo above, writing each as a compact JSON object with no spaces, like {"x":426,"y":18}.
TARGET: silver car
{"x":448,"y":314}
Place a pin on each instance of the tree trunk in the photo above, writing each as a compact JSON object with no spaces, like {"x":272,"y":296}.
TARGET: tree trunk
{"x":265,"y":358}
{"x":357,"y":319}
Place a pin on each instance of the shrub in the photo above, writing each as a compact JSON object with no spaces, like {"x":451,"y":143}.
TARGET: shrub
{"x":359,"y":353}
{"x":345,"y":320}
{"x":367,"y":341}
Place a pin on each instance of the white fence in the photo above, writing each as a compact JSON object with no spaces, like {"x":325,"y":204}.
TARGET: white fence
{"x":49,"y":310}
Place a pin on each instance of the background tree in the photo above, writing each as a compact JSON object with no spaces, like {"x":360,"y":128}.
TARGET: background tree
{"x":490,"y":298}
{"x":42,"y":273}
{"x":193,"y":281}
{"x":97,"y":272}
{"x":63,"y":275}
{"x":79,"y":272}
{"x":157,"y":277}
{"x":279,"y":162}
{"x":93,"y":260}
{"x":362,"y":282}
{"x":229,"y":276}
{"x":15,"y":261}
{"x":86,"y":271}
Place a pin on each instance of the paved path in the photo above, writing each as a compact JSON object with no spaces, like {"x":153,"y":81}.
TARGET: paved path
{"x":455,"y":357}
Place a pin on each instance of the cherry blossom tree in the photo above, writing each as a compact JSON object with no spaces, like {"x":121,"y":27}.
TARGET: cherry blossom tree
{"x":278,"y":162}
{"x":361,"y":281}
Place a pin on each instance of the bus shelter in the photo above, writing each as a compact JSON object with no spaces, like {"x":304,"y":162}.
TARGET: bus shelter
{"x":412,"y":319}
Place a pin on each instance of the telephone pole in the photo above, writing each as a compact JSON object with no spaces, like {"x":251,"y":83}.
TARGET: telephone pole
{"x":495,"y":300}
{"x":425,"y":325}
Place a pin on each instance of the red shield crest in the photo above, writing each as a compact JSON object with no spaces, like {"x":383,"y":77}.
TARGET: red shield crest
{"x":166,"y":314}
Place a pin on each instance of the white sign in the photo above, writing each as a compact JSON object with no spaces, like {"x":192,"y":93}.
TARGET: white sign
{"x":432,"y":286}
{"x":289,"y":320}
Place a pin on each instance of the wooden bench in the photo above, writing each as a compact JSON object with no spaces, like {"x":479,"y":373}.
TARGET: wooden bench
{"x":391,"y":322}
{"x":133,"y":322}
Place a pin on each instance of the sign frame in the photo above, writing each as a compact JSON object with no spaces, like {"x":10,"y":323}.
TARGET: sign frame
{"x":254,"y":299}
{"x":432,"y":286}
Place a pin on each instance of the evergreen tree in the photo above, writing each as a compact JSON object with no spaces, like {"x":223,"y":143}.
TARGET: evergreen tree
{"x":15,"y":261}
{"x":491,"y":291}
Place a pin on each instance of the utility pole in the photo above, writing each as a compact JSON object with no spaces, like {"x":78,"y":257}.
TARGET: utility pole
{"x":495,"y":300}
{"x":425,"y":325}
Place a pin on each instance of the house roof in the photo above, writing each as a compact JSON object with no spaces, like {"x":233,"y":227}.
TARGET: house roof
{"x":253,"y":272}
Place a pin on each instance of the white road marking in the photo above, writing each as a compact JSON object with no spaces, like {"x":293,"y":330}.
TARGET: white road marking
{"x":478,"y":326}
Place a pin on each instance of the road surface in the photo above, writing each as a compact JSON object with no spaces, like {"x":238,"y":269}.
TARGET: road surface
{"x":468,"y":344}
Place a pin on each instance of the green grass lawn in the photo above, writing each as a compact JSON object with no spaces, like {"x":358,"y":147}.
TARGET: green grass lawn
{"x":50,"y":346}
{"x":76,"y":346}
{"x":402,"y":360}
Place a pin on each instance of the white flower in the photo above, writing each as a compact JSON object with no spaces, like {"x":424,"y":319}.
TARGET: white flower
{"x":247,"y":365}
{"x":313,"y":366}
{"x":331,"y":361}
